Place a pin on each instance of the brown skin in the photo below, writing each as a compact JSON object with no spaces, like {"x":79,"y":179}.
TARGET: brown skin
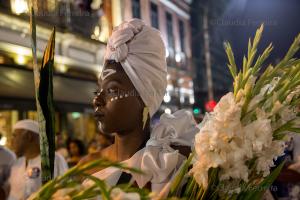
{"x":74,"y":152}
{"x":122,"y":117}
{"x":25,"y":143}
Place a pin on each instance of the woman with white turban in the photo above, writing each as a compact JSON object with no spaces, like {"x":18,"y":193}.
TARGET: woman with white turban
{"x":131,"y":88}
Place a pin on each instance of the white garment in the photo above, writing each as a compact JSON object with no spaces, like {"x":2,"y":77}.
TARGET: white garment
{"x":158,"y":160}
{"x":7,"y":159}
{"x":22,"y":185}
{"x":141,"y":51}
{"x":296,"y":151}
{"x":27,"y":124}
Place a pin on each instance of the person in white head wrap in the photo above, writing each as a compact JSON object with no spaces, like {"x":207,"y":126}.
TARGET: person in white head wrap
{"x":26,"y":171}
{"x":139,"y":51}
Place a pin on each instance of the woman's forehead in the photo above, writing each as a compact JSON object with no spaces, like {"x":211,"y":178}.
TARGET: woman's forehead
{"x":112,"y":71}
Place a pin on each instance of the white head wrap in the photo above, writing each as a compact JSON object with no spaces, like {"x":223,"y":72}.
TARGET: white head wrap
{"x":141,"y":52}
{"x":27,"y":124}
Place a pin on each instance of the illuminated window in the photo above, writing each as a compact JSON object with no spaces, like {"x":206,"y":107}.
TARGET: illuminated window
{"x":51,"y":5}
{"x":19,"y":6}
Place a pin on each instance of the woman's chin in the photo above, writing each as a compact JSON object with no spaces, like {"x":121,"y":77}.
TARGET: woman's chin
{"x":105,"y":129}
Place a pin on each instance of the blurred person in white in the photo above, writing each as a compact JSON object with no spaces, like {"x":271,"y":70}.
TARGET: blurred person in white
{"x":7,"y":159}
{"x":26,"y":171}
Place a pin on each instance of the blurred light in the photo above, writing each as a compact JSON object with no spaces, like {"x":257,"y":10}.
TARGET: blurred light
{"x":167,"y":53}
{"x":168,"y":76}
{"x":168,"y":110}
{"x":192,"y":100}
{"x":196,"y":111}
{"x":181,"y":99}
{"x":186,"y":91}
{"x":19,"y":6}
{"x":180,"y":81}
{"x":2,"y":59}
{"x":167,"y":98}
{"x":170,"y":87}
{"x":178,"y":57}
{"x":3,"y":141}
{"x":62,"y":68}
{"x":210,"y":105}
{"x":75,"y":115}
{"x":20,"y":60}
{"x":22,"y":51}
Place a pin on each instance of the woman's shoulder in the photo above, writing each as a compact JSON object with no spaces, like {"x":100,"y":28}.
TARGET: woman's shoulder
{"x":101,"y":154}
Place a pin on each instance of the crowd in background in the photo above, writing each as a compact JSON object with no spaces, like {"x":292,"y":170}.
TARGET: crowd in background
{"x":74,"y":149}
{"x":21,"y":165}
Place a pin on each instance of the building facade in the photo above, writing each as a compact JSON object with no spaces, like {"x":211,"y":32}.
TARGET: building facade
{"x":172,"y":18}
{"x":78,"y":60}
{"x":220,"y":76}
{"x":82,"y":29}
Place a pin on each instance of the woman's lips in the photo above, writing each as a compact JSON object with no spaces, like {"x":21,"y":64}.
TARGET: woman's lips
{"x":99,"y":116}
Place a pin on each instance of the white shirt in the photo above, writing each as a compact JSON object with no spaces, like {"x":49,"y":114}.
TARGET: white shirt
{"x":25,"y":180}
{"x":7,"y":159}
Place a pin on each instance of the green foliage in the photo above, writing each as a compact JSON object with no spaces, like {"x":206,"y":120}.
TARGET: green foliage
{"x":43,"y":77}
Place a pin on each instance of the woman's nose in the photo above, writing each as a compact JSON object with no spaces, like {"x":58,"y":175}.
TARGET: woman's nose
{"x":98,"y":100}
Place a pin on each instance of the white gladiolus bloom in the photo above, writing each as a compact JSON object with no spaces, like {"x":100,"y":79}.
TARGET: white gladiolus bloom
{"x":227,"y":110}
{"x":287,"y":114}
{"x":267,"y":156}
{"x":118,"y":194}
{"x":224,"y":143}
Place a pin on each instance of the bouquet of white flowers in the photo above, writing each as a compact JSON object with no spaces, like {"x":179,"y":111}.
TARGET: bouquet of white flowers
{"x":246,"y":132}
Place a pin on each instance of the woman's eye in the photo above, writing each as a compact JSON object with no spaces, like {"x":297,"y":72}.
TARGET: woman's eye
{"x":96,"y":93}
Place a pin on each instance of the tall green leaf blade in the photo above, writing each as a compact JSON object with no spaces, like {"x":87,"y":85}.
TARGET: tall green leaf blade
{"x":45,"y":97}
{"x":43,"y":78}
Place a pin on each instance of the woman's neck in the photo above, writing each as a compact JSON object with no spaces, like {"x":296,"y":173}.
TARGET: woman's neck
{"x":126,"y":145}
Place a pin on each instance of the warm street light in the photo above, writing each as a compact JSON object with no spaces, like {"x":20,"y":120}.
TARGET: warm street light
{"x":19,"y":6}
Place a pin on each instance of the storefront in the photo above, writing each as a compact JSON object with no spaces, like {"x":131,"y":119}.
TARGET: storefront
{"x":73,"y":102}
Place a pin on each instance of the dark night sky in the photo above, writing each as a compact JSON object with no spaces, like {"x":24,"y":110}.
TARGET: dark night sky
{"x":242,"y":17}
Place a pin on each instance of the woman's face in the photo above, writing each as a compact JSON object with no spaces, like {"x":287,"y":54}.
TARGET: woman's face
{"x":118,"y":107}
{"x":74,"y":149}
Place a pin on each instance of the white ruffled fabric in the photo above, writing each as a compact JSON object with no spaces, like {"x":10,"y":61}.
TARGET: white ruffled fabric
{"x":141,"y":51}
{"x":158,"y":159}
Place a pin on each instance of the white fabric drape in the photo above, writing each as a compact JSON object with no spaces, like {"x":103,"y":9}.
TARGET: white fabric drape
{"x":158,"y":160}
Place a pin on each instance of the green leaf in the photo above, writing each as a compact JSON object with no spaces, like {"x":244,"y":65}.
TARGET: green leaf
{"x":176,"y":183}
{"x":232,"y":66}
{"x":263,"y":186}
{"x":101,"y":185}
{"x":43,"y":79}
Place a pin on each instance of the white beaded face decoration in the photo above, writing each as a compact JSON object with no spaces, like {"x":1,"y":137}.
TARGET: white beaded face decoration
{"x":106,"y":73}
{"x":118,"y":97}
